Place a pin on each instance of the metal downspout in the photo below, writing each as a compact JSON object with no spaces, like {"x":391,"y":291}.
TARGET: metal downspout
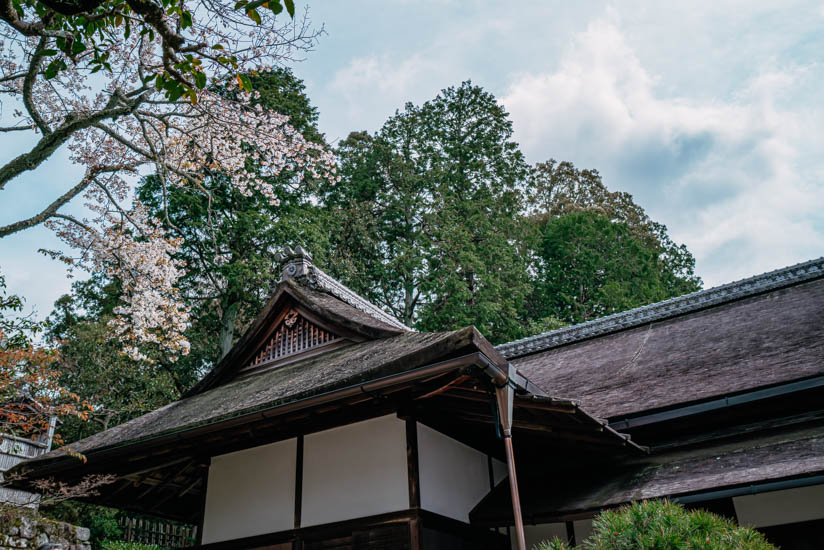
{"x":505,"y":396}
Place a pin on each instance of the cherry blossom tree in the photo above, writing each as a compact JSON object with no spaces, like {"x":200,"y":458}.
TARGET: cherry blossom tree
{"x":138,"y":86}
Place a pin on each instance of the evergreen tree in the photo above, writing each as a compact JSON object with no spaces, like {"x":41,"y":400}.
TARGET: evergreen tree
{"x":427,"y":215}
{"x":556,"y":189}
{"x":590,"y":267}
{"x":596,"y":251}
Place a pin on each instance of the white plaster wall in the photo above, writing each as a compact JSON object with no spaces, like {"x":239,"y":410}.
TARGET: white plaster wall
{"x":251,"y":492}
{"x":355,"y":471}
{"x":454,"y":477}
{"x":780,"y":507}
{"x":499,"y":470}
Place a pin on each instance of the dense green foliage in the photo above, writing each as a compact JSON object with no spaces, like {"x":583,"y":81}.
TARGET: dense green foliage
{"x":596,"y":251}
{"x":663,"y":525}
{"x":437,"y":219}
{"x":591,"y":266}
{"x":428,"y":211}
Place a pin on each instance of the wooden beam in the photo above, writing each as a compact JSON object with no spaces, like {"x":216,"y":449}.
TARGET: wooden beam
{"x":155,"y":467}
{"x":413,"y":471}
{"x":469,"y":394}
{"x":166,"y":479}
{"x":189,"y":487}
{"x":589,"y":436}
{"x":444,"y":388}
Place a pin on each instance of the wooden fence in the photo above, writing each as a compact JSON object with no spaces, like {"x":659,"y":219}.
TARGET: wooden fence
{"x":163,"y":534}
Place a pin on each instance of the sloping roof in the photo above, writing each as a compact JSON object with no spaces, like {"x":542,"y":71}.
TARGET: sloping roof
{"x":314,"y":375}
{"x":320,"y":280}
{"x":297,"y":265}
{"x":314,"y":290}
{"x":659,"y":311}
{"x":765,"y":330}
{"x":766,"y":458}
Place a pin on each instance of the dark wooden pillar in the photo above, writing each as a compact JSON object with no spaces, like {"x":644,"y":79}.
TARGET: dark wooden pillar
{"x":570,"y":529}
{"x":298,"y":481}
{"x":204,"y":485}
{"x":297,"y":544}
{"x":414,"y":483}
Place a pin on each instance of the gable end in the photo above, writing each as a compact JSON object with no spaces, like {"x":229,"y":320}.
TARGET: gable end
{"x":294,"y":335}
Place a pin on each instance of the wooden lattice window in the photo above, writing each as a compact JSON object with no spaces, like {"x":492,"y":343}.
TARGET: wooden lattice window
{"x":295,"y":335}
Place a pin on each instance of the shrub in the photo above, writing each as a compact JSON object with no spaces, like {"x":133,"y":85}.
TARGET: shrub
{"x":663,"y":525}
{"x":101,"y":522}
{"x":121,"y":545}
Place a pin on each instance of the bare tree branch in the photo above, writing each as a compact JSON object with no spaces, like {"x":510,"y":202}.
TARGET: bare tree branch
{"x":15,"y":128}
{"x":51,"y":210}
{"x":73,"y":220}
{"x":47,"y":212}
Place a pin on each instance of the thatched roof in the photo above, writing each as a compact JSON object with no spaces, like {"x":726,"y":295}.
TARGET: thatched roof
{"x":761,"y":331}
{"x":315,"y":375}
{"x":337,"y":312}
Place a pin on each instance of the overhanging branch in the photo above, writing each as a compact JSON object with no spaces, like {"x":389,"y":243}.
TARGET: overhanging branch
{"x":48,"y":144}
{"x":47,"y":212}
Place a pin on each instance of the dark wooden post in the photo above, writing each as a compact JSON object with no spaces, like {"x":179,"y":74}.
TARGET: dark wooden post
{"x":205,"y":484}
{"x":299,"y":482}
{"x":570,"y":529}
{"x":414,"y":482}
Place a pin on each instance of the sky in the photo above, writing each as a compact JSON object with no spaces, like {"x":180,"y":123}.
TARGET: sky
{"x":709,"y":113}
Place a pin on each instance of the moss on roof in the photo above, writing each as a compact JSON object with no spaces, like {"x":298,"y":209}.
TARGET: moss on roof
{"x":343,"y":367}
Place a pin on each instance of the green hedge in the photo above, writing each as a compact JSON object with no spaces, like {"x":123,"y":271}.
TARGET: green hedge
{"x":663,"y":525}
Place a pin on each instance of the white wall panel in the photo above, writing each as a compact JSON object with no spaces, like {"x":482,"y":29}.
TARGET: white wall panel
{"x":454,"y":476}
{"x":499,"y":471}
{"x":355,"y":471}
{"x":251,"y":492}
{"x":780,"y":507}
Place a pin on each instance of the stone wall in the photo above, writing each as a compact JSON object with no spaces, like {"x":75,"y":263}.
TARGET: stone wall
{"x":27,"y":530}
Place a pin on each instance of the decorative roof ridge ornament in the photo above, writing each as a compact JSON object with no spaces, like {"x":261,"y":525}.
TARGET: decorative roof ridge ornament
{"x":294,"y":263}
{"x":297,"y":265}
{"x":673,"y":307}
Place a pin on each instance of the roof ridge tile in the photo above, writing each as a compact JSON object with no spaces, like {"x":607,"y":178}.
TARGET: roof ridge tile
{"x":297,"y":264}
{"x":672,"y":307}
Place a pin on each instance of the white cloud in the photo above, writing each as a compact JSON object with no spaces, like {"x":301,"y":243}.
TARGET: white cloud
{"x":736,"y":178}
{"x":368,"y":90}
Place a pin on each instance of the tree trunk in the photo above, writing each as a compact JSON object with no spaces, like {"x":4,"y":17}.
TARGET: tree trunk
{"x":227,"y":328}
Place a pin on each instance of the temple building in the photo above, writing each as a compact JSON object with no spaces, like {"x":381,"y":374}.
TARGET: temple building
{"x":331,"y":425}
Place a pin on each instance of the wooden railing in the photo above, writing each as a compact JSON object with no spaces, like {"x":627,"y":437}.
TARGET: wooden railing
{"x":160,"y":533}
